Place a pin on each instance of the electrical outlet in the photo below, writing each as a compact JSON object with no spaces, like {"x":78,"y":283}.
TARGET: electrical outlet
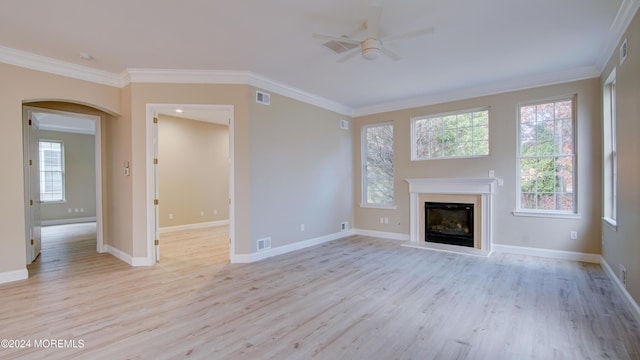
{"x":301,"y":227}
{"x":344,"y":226}
{"x":170,"y":216}
{"x":622,"y":274}
{"x":381,"y":220}
{"x":492,"y":173}
{"x":573,"y":235}
{"x":215,"y":212}
{"x":386,"y":220}
{"x":201,"y":213}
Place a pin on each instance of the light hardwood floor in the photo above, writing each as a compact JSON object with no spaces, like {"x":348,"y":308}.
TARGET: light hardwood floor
{"x":356,"y":298}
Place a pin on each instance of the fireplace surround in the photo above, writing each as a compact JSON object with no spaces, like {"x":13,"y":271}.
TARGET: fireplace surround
{"x":476,"y":191}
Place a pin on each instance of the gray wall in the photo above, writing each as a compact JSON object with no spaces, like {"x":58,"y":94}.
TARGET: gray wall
{"x":300,"y":169}
{"x":622,"y":246}
{"x":80,"y":177}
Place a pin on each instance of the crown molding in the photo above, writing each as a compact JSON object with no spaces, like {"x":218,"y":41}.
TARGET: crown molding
{"x":177,"y":76}
{"x":283,"y":89}
{"x":57,"y":67}
{"x":533,"y":81}
{"x":233,"y":77}
{"x":623,"y":19}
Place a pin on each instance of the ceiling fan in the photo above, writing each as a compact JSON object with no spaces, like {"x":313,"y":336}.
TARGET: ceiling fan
{"x":372,"y":46}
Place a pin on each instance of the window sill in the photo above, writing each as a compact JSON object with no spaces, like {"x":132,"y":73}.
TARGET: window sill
{"x":545,"y":214}
{"x":611,"y":223}
{"x":374,"y":206}
{"x":53,"y":202}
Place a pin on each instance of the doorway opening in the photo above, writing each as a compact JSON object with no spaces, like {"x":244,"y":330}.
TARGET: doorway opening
{"x":63,"y":178}
{"x":189,"y":148}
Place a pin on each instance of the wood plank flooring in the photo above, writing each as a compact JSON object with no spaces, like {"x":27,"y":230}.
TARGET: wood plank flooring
{"x":356,"y":298}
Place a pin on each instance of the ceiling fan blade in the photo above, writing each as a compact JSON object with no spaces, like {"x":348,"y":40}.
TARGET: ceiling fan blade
{"x":351,"y":54}
{"x":337,"y":38}
{"x":410,"y":34}
{"x":373,"y":21}
{"x":391,"y":54}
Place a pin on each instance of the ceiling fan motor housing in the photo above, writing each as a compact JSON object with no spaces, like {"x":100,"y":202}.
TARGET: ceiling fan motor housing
{"x":370,"y":48}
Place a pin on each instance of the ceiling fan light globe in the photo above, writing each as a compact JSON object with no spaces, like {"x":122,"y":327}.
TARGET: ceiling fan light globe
{"x":370,"y":49}
{"x":371,"y":54}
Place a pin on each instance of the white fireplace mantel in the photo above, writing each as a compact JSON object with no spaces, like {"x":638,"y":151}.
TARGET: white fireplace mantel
{"x":483,"y":187}
{"x":452,"y":185}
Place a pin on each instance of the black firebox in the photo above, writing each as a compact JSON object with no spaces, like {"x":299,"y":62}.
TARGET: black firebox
{"x":449,"y":223}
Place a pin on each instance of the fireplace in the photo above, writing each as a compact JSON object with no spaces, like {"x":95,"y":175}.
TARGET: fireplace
{"x":476,"y":191}
{"x":449,"y":223}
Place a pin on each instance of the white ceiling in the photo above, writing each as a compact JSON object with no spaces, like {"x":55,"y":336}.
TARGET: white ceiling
{"x":478,"y":47}
{"x":65,"y":122}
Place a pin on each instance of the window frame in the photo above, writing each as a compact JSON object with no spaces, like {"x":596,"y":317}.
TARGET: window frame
{"x":568,"y":214}
{"x":609,"y":149}
{"x":414,"y":147}
{"x":61,"y":171}
{"x":364,"y":174}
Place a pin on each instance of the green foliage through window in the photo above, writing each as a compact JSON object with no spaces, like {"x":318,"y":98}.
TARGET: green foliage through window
{"x":463,"y":134}
{"x":547,"y":156}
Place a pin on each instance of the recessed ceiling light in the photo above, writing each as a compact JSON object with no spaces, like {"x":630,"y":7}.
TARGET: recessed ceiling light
{"x":178,"y":110}
{"x":86,"y":56}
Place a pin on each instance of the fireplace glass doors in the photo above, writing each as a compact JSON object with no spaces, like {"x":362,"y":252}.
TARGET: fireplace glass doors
{"x":449,"y":223}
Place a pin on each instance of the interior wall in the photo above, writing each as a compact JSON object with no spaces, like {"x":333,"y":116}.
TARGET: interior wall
{"x":193,"y":171}
{"x":508,"y":229}
{"x":79,"y":177}
{"x":621,"y":246}
{"x":301,"y":171}
{"x":205,"y":94}
{"x":17,"y":86}
{"x":108,"y":175}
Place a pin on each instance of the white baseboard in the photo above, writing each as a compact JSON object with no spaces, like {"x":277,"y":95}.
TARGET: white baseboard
{"x":382,"y":234}
{"x":548,"y":253}
{"x":133,"y":261}
{"x":68,"y":221}
{"x":16,"y":275}
{"x":169,"y":229}
{"x":631,"y":303}
{"x":249,"y":258}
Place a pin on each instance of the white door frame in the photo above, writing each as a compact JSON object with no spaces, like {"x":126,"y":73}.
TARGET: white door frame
{"x":152,"y":111}
{"x":98,"y":164}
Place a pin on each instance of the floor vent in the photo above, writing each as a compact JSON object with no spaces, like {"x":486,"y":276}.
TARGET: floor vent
{"x":264,"y":244}
{"x":263,"y":98}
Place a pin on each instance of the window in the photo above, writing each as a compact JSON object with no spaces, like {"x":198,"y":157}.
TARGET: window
{"x":377,"y":158}
{"x":609,"y":150}
{"x":462,"y":134}
{"x":51,"y":171}
{"x":547,"y":156}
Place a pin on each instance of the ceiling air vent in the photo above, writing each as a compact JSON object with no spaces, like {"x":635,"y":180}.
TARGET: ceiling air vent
{"x":339,"y":47}
{"x":263,"y":98}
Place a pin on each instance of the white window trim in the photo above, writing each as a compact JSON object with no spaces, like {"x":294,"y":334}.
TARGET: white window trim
{"x":62,"y":162}
{"x":546,"y":214}
{"x":609,"y":181}
{"x":363,"y":174}
{"x":519,"y":211}
{"x":448,"y":113}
